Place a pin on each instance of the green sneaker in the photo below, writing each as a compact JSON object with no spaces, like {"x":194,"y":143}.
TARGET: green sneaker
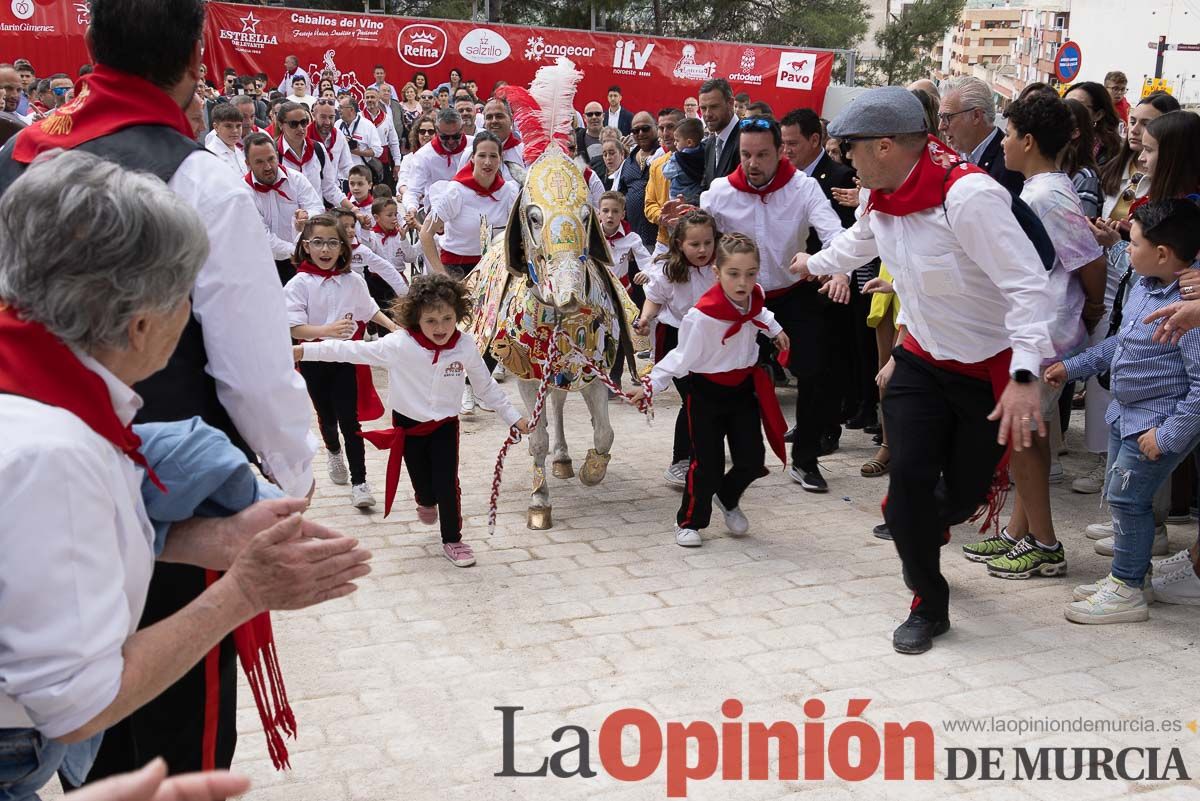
{"x":1026,"y":559}
{"x":990,"y":548}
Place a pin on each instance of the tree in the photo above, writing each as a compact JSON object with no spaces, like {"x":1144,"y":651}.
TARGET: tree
{"x":907,"y":38}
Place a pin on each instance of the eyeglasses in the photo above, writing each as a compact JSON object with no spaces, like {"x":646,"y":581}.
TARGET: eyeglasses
{"x":755,"y":123}
{"x":454,"y":137}
{"x":637,"y":129}
{"x":294,"y":124}
{"x":425,"y":132}
{"x":427,"y":97}
{"x":943,"y":117}
{"x":847,"y":142}
{"x":594,"y":114}
{"x":326,"y":101}
{"x":323,"y":244}
{"x":1131,"y":191}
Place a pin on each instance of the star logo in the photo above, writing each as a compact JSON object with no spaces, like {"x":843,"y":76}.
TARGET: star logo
{"x":250,"y":23}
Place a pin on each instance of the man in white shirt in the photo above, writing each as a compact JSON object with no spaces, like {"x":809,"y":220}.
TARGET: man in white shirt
{"x":291,"y":71}
{"x":225,"y":138}
{"x":497,"y":118}
{"x":325,"y":131}
{"x":967,"y":122}
{"x":361,"y":136}
{"x":285,"y":200}
{"x":769,"y":200}
{"x":438,"y":160}
{"x":975,"y":306}
{"x":378,"y":114}
{"x":297,"y":152}
{"x":381,"y":81}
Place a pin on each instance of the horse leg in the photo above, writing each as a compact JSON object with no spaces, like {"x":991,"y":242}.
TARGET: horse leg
{"x":595,"y":466}
{"x":538,"y":516}
{"x":559,"y":457}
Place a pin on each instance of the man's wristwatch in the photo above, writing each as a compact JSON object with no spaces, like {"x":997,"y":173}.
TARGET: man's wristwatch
{"x":1023,"y":377}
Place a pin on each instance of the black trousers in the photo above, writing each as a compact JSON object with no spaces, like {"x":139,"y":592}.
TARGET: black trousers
{"x":715,"y":414}
{"x":666,"y":338}
{"x":944,"y":454}
{"x":808,"y":320}
{"x":192,"y":724}
{"x":333,"y":388}
{"x":432,"y":462}
{"x":286,"y":270}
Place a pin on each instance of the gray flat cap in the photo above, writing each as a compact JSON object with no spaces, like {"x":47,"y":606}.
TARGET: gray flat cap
{"x":883,"y":111}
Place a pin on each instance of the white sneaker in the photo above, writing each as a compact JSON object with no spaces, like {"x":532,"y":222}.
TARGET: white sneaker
{"x":1161,"y":547}
{"x":1056,"y":473}
{"x":677,"y":473}
{"x":1090,"y":484}
{"x":500,"y":373}
{"x":361,"y":497}
{"x":1085,"y":591}
{"x":338,"y":473}
{"x":687,"y":537}
{"x":468,"y":401}
{"x":481,"y":406}
{"x":1180,"y":587}
{"x":1114,"y":602}
{"x":1173,"y":563}
{"x":735,"y":520}
{"x":1098,"y":531}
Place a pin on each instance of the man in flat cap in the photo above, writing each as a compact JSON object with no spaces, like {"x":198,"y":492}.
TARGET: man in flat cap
{"x":975,"y":312}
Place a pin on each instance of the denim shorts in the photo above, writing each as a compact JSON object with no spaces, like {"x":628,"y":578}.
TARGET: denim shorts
{"x":29,"y":760}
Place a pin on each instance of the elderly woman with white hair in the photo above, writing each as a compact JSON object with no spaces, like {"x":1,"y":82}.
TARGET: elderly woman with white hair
{"x":81,"y":322}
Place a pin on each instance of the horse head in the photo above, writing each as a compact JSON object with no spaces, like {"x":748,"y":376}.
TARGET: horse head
{"x":553,"y":232}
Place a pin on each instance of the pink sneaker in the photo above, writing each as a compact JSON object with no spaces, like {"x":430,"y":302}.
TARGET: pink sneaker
{"x":459,"y":553}
{"x":427,"y":514}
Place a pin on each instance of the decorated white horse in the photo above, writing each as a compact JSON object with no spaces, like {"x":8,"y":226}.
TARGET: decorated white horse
{"x":545,"y":299}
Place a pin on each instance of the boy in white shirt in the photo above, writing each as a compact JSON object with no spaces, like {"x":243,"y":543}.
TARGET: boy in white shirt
{"x":625,"y":244}
{"x":225,"y":139}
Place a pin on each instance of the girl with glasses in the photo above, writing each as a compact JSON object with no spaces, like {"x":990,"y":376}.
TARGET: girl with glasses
{"x":326,"y":299}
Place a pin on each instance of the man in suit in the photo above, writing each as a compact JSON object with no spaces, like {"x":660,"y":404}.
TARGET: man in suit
{"x":967,"y":122}
{"x":616,"y":116}
{"x":721,"y":148}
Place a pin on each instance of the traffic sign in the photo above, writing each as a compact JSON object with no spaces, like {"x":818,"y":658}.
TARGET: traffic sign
{"x":1068,"y":61}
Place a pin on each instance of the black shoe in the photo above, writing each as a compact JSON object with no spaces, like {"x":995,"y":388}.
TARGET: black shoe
{"x":789,"y":436}
{"x":808,"y":478}
{"x":881,"y":531}
{"x":915,"y":635}
{"x":878,"y":438}
{"x":830,"y":443}
{"x":863,"y":421}
{"x":874,"y":429}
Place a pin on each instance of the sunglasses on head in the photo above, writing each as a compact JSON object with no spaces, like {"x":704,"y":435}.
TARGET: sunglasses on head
{"x":755,"y":124}
{"x":60,"y":90}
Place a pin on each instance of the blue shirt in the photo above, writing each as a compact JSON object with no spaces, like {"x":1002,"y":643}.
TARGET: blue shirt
{"x":1152,"y":385}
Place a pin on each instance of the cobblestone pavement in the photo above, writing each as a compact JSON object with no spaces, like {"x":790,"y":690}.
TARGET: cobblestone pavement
{"x":394,"y":687}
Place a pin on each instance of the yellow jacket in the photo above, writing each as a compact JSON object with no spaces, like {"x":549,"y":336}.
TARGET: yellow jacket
{"x":658,"y":192}
{"x":882,"y":304}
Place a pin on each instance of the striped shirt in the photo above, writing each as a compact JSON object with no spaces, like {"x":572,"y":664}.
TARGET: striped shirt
{"x":1153,"y":385}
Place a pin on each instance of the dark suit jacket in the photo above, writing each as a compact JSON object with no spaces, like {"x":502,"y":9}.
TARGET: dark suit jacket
{"x":831,"y":175}
{"x":730,"y":157}
{"x":624,"y":120}
{"x":992,"y":161}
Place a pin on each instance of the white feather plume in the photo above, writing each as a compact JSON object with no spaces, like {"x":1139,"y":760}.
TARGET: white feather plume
{"x":553,"y":88}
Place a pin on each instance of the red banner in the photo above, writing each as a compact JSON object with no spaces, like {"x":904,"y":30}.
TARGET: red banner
{"x":652,"y":71}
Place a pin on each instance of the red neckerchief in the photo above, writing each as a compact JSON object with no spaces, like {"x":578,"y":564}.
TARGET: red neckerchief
{"x":442,"y":151}
{"x":315,"y":135}
{"x":362,"y":204}
{"x":466,"y":177}
{"x":384,"y":236}
{"x":35,"y":364}
{"x":378,"y":118}
{"x":252,"y":182}
{"x":717,"y":305}
{"x":587,"y":174}
{"x":428,"y":344}
{"x":307,"y":266}
{"x":511,"y":142}
{"x":926,"y":186}
{"x":287,"y":154}
{"x":622,"y":231}
{"x":106,"y":101}
{"x":783,"y":174}
{"x":1137,"y":204}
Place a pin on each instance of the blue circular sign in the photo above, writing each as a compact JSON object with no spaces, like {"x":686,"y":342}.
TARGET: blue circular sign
{"x":1068,"y":61}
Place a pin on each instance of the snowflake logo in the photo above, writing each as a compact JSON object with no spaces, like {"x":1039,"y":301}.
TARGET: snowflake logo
{"x":83,"y":12}
{"x":535,"y":46}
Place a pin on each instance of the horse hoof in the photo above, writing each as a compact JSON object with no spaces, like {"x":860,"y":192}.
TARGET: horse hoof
{"x":595,"y":467}
{"x":539,"y":518}
{"x":563,"y":470}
